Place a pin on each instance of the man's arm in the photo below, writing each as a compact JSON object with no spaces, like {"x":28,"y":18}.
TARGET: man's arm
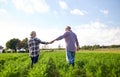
{"x":77,"y":44}
{"x":60,"y":37}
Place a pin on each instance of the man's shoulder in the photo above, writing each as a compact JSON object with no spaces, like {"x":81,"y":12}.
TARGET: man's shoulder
{"x":71,"y":32}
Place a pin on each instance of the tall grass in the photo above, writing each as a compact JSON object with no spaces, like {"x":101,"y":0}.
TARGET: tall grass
{"x":53,"y":64}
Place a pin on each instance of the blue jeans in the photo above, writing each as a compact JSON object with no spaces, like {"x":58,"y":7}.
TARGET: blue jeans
{"x":70,"y":56}
{"x":34,"y":59}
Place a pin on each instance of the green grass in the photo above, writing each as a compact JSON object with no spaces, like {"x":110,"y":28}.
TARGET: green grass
{"x":97,"y":63}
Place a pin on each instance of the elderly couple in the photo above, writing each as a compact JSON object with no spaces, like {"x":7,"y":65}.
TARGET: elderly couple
{"x":71,"y":45}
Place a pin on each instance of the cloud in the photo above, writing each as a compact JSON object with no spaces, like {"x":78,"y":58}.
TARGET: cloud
{"x":55,"y":12}
{"x":3,"y":11}
{"x":40,"y":5}
{"x":12,"y":29}
{"x":88,"y":34}
{"x":105,"y":12}
{"x":3,"y":1}
{"x":17,"y":29}
{"x":78,"y":12}
{"x":97,"y":33}
{"x":31,"y":6}
{"x":63,"y":5}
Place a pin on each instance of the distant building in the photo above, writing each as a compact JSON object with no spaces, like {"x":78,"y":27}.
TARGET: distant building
{"x":1,"y":49}
{"x":21,"y":50}
{"x":9,"y":50}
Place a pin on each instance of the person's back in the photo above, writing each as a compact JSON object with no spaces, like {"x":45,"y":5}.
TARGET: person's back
{"x":34,"y":46}
{"x":71,"y":44}
{"x":71,"y":40}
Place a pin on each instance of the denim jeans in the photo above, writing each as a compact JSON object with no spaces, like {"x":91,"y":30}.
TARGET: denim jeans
{"x":34,"y":59}
{"x":70,"y":56}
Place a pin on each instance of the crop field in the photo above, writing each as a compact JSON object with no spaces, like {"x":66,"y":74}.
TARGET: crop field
{"x":53,"y":64}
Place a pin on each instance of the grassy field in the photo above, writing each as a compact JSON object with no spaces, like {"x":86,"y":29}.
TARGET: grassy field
{"x":97,"y":63}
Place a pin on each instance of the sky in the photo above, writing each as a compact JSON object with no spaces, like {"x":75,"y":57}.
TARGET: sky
{"x":95,"y":22}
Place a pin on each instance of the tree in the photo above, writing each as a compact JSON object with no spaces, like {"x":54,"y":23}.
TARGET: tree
{"x":87,"y":47}
{"x":115,"y":46}
{"x":12,"y":44}
{"x":23,"y":44}
{"x":96,"y":47}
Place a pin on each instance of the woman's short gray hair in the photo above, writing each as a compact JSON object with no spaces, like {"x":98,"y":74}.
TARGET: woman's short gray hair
{"x":33,"y":32}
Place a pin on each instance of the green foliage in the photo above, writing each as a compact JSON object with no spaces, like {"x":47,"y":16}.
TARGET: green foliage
{"x":93,"y":47}
{"x":15,"y":44}
{"x":23,"y":44}
{"x":53,"y":64}
{"x":12,"y":44}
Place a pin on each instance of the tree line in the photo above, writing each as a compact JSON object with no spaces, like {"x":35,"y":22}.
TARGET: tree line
{"x":93,"y":47}
{"x":17,"y":44}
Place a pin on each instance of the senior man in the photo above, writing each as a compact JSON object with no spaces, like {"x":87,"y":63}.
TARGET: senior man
{"x":72,"y":44}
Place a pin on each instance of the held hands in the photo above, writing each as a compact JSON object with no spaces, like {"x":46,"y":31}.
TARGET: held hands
{"x":51,"y":42}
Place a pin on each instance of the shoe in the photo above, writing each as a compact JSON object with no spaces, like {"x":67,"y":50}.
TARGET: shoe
{"x":73,"y":64}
